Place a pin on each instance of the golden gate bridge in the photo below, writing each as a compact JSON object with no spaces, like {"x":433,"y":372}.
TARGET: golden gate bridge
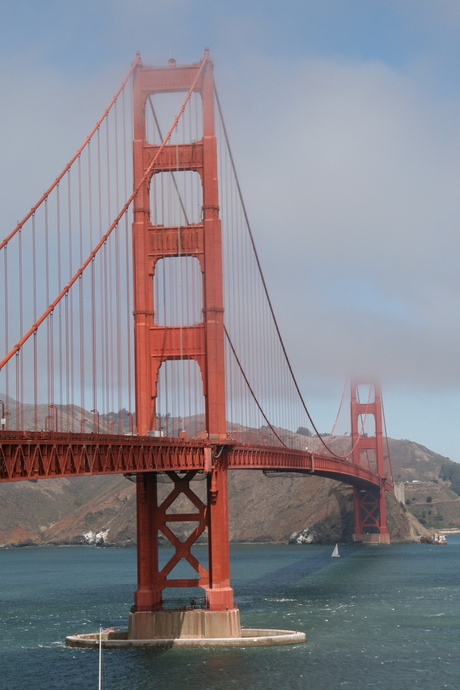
{"x":134,"y":285}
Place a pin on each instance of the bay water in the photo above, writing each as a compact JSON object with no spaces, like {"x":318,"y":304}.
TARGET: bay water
{"x":377,"y":617}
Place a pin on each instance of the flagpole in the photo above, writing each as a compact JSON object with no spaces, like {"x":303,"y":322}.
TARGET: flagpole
{"x":100,"y":659}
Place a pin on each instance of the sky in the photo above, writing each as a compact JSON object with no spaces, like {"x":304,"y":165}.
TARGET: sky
{"x":344,"y":120}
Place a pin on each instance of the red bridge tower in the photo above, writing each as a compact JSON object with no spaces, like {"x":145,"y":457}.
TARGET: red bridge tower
{"x":370,"y":509}
{"x":202,"y":342}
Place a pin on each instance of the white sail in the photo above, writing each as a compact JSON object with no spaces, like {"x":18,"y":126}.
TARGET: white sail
{"x":335,"y":553}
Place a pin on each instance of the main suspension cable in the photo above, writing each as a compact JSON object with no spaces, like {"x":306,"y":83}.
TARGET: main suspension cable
{"x":114,"y":224}
{"x":270,"y":305}
{"x":96,"y":127}
{"x":251,"y":389}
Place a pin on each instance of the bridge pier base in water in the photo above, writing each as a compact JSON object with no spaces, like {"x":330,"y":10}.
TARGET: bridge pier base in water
{"x":372,"y":538}
{"x":196,"y":624}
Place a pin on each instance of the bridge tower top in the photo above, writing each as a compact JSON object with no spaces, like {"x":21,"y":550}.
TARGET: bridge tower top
{"x":361,"y":442}
{"x":200,"y":241}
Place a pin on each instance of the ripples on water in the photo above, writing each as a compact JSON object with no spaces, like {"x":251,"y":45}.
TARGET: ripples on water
{"x":378,"y":617}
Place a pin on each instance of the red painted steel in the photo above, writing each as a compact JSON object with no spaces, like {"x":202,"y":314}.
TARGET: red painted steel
{"x":44,"y":455}
{"x":369,"y":503}
{"x":203,"y":343}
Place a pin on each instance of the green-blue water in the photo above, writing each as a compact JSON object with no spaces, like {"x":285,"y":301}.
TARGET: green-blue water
{"x":378,"y":617}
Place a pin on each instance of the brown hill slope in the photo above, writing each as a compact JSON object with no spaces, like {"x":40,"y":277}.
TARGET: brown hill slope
{"x":411,"y":461}
{"x":29,"y":508}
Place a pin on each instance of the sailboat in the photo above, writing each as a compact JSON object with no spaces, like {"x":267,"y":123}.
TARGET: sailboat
{"x":335,"y":553}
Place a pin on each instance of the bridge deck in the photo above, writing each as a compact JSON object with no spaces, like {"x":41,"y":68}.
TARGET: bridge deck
{"x":28,"y":455}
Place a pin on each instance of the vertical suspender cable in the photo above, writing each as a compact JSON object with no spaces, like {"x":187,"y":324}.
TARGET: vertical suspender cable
{"x":59,"y":282}
{"x":6,"y":324}
{"x":19,"y":380}
{"x":70,"y":363}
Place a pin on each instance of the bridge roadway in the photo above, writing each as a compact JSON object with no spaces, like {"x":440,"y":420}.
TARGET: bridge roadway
{"x":28,"y":455}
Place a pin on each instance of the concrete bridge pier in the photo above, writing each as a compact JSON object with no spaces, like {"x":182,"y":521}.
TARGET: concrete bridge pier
{"x":184,"y":624}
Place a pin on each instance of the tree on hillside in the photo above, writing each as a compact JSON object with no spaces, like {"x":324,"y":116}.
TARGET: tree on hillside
{"x":451,"y":473}
{"x":303,"y":431}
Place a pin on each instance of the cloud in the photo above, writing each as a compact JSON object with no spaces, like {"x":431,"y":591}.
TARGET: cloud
{"x":350,"y":174}
{"x":350,"y":171}
{"x":349,"y":166}
{"x":45,"y":117}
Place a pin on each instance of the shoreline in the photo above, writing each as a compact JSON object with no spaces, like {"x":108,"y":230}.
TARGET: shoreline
{"x":409,"y":540}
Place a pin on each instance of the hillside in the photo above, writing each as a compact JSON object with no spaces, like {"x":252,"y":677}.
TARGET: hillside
{"x":411,"y":461}
{"x":262,"y":508}
{"x":429,"y":497}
